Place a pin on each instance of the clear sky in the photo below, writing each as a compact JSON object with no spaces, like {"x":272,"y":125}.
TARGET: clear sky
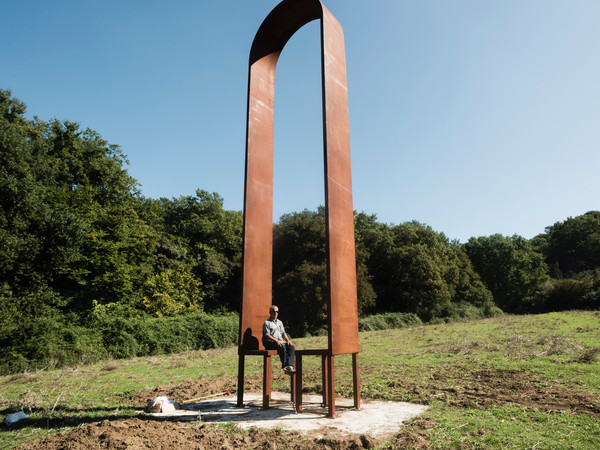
{"x":473,"y":116}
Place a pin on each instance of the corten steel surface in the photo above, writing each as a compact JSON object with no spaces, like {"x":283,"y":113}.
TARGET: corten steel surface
{"x":279,"y":26}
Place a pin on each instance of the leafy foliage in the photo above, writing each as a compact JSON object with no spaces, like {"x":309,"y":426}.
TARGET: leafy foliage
{"x":57,"y":341}
{"x":572,"y":246}
{"x":170,"y":293}
{"x":388,"y":321}
{"x":195,"y":234}
{"x":299,"y":271}
{"x":416,"y":270}
{"x":509,"y":266}
{"x":582,"y":291}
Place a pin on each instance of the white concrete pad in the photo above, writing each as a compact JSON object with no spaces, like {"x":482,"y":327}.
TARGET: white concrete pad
{"x":375,"y":418}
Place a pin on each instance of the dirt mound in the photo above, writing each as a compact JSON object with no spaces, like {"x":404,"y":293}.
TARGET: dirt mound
{"x":143,"y":434}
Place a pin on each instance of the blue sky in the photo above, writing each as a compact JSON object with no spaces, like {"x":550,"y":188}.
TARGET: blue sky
{"x":474,"y":117}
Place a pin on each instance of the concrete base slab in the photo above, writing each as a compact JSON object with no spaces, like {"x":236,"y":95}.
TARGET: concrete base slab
{"x":378,"y":419}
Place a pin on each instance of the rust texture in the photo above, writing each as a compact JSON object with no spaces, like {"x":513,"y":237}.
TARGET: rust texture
{"x":278,"y":27}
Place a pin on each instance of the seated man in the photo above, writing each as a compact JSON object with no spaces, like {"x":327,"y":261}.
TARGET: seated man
{"x":274,"y":338}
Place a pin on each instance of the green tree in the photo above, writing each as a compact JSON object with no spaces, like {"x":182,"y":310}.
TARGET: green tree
{"x":211,"y":238}
{"x":367,"y":297}
{"x":68,"y":216}
{"x":299,"y":270}
{"x":416,"y":270}
{"x":90,"y":180}
{"x":171,"y":293}
{"x":40,"y":240}
{"x":572,"y":246}
{"x":302,"y":295}
{"x":511,"y":269}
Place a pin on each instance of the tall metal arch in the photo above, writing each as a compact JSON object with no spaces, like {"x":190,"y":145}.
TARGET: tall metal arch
{"x":278,"y":27}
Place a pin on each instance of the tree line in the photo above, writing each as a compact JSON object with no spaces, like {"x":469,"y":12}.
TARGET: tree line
{"x":80,"y":246}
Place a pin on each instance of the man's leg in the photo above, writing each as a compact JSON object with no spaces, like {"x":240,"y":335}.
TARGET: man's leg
{"x":280,"y":350}
{"x":290,"y":355}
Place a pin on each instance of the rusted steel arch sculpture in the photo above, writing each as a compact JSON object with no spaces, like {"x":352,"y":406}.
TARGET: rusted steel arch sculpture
{"x":278,"y":27}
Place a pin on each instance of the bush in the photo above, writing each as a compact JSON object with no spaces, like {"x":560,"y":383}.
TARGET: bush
{"x":387,"y":321}
{"x":151,"y":336}
{"x":452,"y":312}
{"x":216,"y":331}
{"x":48,"y":342}
{"x":57,"y":341}
{"x":579,"y":292}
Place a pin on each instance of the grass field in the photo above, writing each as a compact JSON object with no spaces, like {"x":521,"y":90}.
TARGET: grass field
{"x":507,"y":382}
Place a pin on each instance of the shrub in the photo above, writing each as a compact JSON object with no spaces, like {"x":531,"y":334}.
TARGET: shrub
{"x":580,"y":292}
{"x":387,"y":321}
{"x":451,"y":312}
{"x":48,"y":342}
{"x":57,"y":341}
{"x":155,"y":335}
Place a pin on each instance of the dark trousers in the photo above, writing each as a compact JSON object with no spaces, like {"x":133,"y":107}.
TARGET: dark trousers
{"x":287,"y":352}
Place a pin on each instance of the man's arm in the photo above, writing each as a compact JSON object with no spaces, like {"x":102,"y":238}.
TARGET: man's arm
{"x":287,"y":339}
{"x":284,"y":334}
{"x":280,"y":343}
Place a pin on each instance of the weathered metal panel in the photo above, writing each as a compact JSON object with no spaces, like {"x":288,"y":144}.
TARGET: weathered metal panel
{"x":276,"y":30}
{"x":343,"y":309}
{"x":258,"y":203}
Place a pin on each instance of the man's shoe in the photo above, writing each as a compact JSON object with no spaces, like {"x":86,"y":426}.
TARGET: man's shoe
{"x":289,"y":370}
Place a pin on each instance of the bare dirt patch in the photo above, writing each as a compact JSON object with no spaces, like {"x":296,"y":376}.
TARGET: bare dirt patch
{"x":416,"y":436}
{"x":143,"y":434}
{"x":481,"y":389}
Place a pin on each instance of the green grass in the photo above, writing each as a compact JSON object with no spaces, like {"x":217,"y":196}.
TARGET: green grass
{"x":505,"y":382}
{"x":513,"y":427}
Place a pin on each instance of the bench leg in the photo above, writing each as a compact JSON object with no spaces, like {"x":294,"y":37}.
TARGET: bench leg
{"x":298,"y":399}
{"x":331,"y":386}
{"x":324,"y":379}
{"x":266,"y":381}
{"x":355,"y":380}
{"x":240,"y":392}
{"x":293,"y":388}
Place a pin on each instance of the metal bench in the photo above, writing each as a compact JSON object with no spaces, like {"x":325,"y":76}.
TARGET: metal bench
{"x":267,"y":376}
{"x":328,"y":381}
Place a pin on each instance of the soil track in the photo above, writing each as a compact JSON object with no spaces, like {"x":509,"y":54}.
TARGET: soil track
{"x":477,"y":389}
{"x":481,"y":389}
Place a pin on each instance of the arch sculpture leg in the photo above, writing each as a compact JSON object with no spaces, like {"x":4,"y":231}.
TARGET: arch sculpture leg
{"x":278,"y":27}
